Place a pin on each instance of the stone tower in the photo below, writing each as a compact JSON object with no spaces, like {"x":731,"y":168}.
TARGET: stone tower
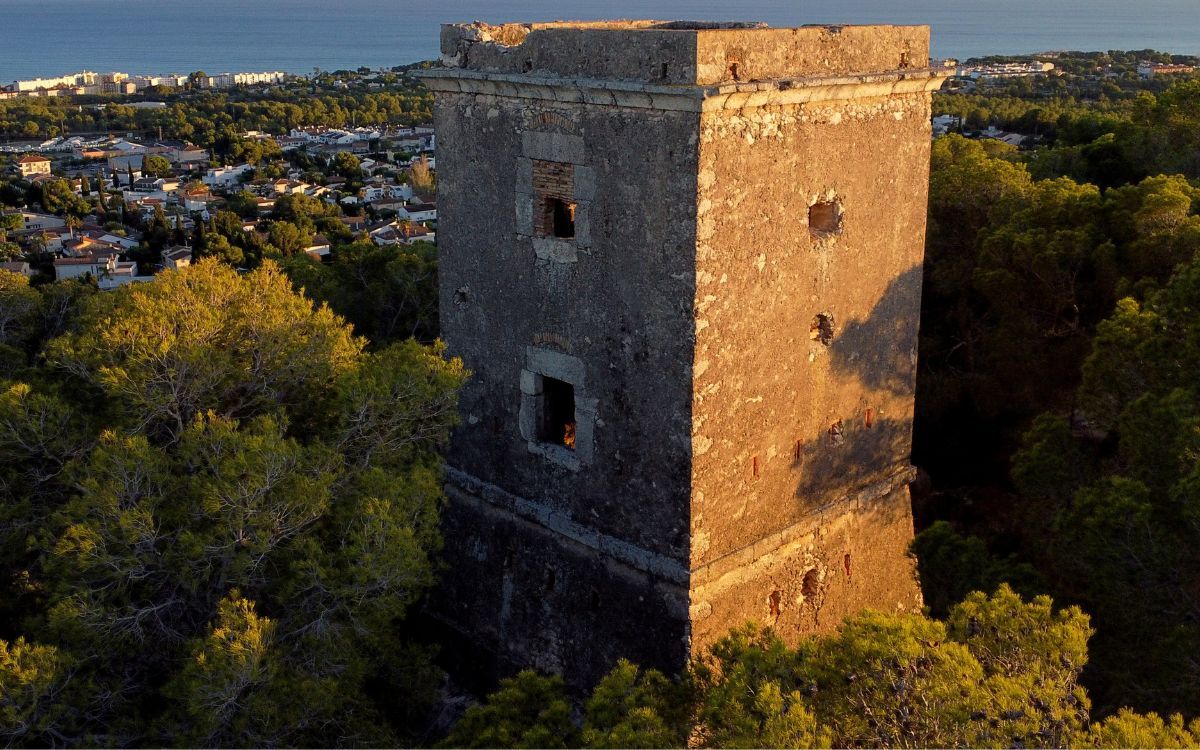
{"x":683,"y":261}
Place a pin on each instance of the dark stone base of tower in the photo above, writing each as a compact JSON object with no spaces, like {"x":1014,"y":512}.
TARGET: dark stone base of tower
{"x":528,"y":595}
{"x":683,"y":262}
{"x":536,"y":598}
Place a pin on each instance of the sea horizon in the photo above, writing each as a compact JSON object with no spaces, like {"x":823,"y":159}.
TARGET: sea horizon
{"x":297,"y":36}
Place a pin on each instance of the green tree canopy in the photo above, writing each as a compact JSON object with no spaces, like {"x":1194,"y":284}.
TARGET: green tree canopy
{"x":287,"y":238}
{"x":387,"y":293}
{"x":156,"y":166}
{"x":217,"y":510}
{"x":302,"y":210}
{"x":346,"y":164}
{"x":1121,"y":528}
{"x":58,"y":198}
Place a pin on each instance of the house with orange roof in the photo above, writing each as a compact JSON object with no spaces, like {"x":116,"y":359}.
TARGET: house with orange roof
{"x":33,"y":164}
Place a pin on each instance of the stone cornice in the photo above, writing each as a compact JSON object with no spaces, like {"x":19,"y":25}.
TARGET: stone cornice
{"x":709,"y":573}
{"x":541,"y":514}
{"x":750,"y":95}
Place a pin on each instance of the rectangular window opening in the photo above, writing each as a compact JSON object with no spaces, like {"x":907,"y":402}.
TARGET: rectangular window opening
{"x":553,"y":189}
{"x":559,"y":218}
{"x":558,"y":413}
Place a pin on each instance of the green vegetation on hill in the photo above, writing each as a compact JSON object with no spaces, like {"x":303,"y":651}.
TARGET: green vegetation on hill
{"x":218,"y":501}
{"x":216,"y":510}
{"x":1055,"y":394}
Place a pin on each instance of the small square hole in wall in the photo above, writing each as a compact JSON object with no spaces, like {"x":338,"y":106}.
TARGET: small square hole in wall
{"x":810,"y":585}
{"x":825,"y":218}
{"x":821,"y":328}
{"x":558,"y":413}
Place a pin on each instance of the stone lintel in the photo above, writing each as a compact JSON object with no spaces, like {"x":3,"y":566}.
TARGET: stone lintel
{"x":555,"y":147}
{"x":557,"y":365}
{"x":685,"y":98}
{"x":711,"y":576}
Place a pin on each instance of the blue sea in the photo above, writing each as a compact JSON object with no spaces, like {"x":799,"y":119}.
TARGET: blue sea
{"x":53,"y":37}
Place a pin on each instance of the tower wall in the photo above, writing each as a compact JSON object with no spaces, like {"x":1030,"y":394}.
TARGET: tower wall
{"x":568,"y":560}
{"x":611,"y":307}
{"x":803,"y":423}
{"x":625,"y":219}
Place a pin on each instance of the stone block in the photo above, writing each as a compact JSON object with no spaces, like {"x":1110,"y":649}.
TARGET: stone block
{"x":555,"y":250}
{"x":585,"y":183}
{"x":583,"y":225}
{"x":557,"y":454}
{"x":531,"y":383}
{"x":524,"y":181}
{"x":524,"y":210}
{"x":529,"y":416}
{"x":553,"y":147}
{"x":557,"y":365}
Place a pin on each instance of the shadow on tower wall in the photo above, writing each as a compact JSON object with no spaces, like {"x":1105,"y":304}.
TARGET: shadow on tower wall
{"x":877,"y":355}
{"x":880,"y":351}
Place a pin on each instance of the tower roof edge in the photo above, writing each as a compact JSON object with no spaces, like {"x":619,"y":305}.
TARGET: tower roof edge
{"x":683,"y":52}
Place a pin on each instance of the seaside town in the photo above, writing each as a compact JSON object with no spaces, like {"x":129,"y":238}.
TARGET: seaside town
{"x":998,"y":71}
{"x":768,"y":387}
{"x":119,"y":208}
{"x":88,"y":83}
{"x":126,"y":185}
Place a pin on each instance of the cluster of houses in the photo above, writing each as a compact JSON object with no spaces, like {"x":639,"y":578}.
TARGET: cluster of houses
{"x":993,"y":71}
{"x":943,"y":124}
{"x":414,"y":140}
{"x":78,"y":251}
{"x":390,"y":211}
{"x":89,"y":83}
{"x":1152,"y":69}
{"x":119,"y":164}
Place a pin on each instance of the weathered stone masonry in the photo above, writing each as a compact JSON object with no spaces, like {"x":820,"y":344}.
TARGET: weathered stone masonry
{"x":683,"y":262}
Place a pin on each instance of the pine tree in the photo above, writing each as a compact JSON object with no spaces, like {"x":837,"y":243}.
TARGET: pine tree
{"x":227,"y":557}
{"x":199,"y":245}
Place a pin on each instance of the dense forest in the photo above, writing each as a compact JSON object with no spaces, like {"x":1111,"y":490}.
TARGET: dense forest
{"x":1056,"y":387}
{"x":219,"y":490}
{"x":218,"y":509}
